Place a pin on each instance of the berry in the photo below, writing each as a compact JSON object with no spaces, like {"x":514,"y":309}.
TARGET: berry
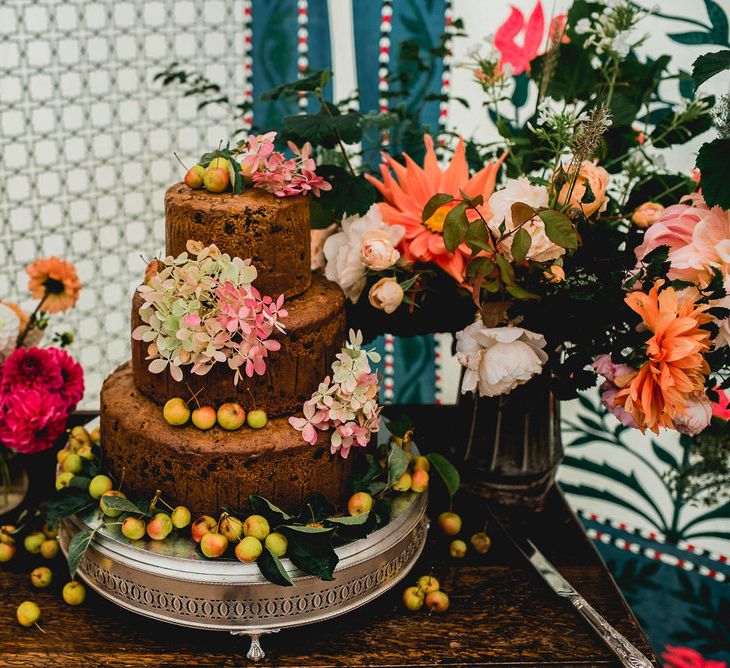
{"x":133,"y":528}
{"x":41,"y":577}
{"x":7,"y":552}
{"x":72,"y":463}
{"x":176,"y":412}
{"x":257,"y":418}
{"x":216,"y":180}
{"x":33,"y":542}
{"x":180,"y":517}
{"x":231,"y":528}
{"x":277,"y":543}
{"x":202,"y":525}
{"x":74,"y":593}
{"x":437,"y":601}
{"x":450,"y":523}
{"x":413,"y":598}
{"x":481,"y":542}
{"x":213,"y":545}
{"x":419,"y":481}
{"x":360,"y":503}
{"x":404,"y":483}
{"x":28,"y":613}
{"x":204,"y":417}
{"x":159,"y":527}
{"x":249,"y":549}
{"x":231,"y":416}
{"x":100,"y":485}
{"x":256,"y":526}
{"x":63,"y":480}
{"x":421,"y":463}
{"x":110,"y":512}
{"x":457,"y":549}
{"x":194,"y":177}
{"x":427,"y":584}
{"x":49,"y":548}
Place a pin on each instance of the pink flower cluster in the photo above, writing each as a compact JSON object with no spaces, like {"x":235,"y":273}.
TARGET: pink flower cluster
{"x":613,"y":373}
{"x":39,"y":388}
{"x":347,"y":403}
{"x":270,"y":170}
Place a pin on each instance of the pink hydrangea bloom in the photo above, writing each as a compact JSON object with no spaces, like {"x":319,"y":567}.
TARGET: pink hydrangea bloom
{"x":684,"y":657}
{"x":32,"y":420}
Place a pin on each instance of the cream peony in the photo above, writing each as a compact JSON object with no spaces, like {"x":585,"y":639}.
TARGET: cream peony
{"x":316,"y":244}
{"x":498,"y":359}
{"x":696,"y":417}
{"x":342,"y":250}
{"x":593,"y":176}
{"x":500,"y":204}
{"x":386,"y":295}
{"x":9,"y":331}
{"x":377,"y":251}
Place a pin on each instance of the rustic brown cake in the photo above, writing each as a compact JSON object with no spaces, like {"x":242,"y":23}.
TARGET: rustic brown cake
{"x":205,"y":470}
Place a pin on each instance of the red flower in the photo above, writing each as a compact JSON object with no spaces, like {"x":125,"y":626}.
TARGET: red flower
{"x":721,"y":409}
{"x":684,"y":657}
{"x":32,"y":420}
{"x":72,"y":387}
{"x":30,"y":367}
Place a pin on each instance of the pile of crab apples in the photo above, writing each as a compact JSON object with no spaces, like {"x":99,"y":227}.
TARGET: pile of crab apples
{"x":229,"y":416}
{"x":249,"y":537}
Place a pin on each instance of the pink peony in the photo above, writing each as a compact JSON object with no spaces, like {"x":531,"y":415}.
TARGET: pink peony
{"x":604,"y":366}
{"x":684,"y":657}
{"x":32,"y":420}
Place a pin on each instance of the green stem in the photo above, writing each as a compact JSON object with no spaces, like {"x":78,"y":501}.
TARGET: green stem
{"x":31,"y":322}
{"x":340,"y":143}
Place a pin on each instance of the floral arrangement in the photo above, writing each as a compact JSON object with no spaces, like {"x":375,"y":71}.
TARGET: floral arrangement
{"x":346,"y":404}
{"x":203,"y":310}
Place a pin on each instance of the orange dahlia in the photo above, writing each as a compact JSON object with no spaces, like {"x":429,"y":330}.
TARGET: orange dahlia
{"x":409,"y":187}
{"x":55,"y":282}
{"x":676,"y":368}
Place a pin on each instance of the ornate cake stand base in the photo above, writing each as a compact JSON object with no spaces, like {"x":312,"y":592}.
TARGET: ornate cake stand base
{"x":171,"y":581}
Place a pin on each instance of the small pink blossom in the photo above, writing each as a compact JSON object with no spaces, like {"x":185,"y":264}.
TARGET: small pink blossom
{"x":684,"y":657}
{"x":310,"y":423}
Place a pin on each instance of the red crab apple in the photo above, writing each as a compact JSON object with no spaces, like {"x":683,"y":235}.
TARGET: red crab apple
{"x":176,"y":412}
{"x":74,"y":593}
{"x":450,"y":523}
{"x":133,"y":528}
{"x":419,"y":481}
{"x":413,"y":598}
{"x":231,"y":416}
{"x":427,"y":584}
{"x":202,"y":525}
{"x":204,"y":417}
{"x":437,"y":601}
{"x":216,"y":180}
{"x":7,"y":552}
{"x":360,"y":503}
{"x":194,"y":176}
{"x":249,"y":549}
{"x":213,"y":545}
{"x":159,"y":527}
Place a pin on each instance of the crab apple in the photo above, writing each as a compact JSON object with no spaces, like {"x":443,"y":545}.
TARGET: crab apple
{"x":49,"y":548}
{"x":176,"y":412}
{"x":194,"y":177}
{"x":204,"y":417}
{"x":404,"y":483}
{"x":72,"y":464}
{"x":413,"y":598}
{"x":63,"y":480}
{"x":28,"y":613}
{"x":437,"y":601}
{"x":6,"y":534}
{"x":450,"y":523}
{"x":74,"y":593}
{"x":62,"y":454}
{"x":257,"y":418}
{"x":95,"y":435}
{"x":249,"y":549}
{"x":133,"y":528}
{"x":421,"y":463}
{"x":110,"y":512}
{"x":81,"y":434}
{"x":85,"y":452}
{"x":216,"y":180}
{"x":202,"y":525}
{"x":256,"y":526}
{"x":231,"y":528}
{"x":231,"y":416}
{"x":277,"y":543}
{"x":481,"y":542}
{"x":50,"y":533}
{"x":360,"y":503}
{"x":180,"y":517}
{"x":213,"y":545}
{"x":100,"y":485}
{"x":457,"y":549}
{"x":33,"y":542}
{"x":219,"y":163}
{"x":7,"y":552}
{"x":419,"y":481}
{"x":41,"y":577}
{"x":427,"y":584}
{"x":159,"y":527}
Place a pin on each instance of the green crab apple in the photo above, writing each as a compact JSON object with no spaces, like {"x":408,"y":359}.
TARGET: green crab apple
{"x":74,"y":593}
{"x":100,"y":485}
{"x":28,"y":613}
{"x":33,"y":542}
{"x":63,"y":480}
{"x":219,"y":163}
{"x":481,"y":542}
{"x":457,"y":549}
{"x":231,"y":416}
{"x":249,"y":549}
{"x":72,"y":464}
{"x":49,"y":548}
{"x":176,"y":412}
{"x":413,"y":598}
{"x":180,"y":517}
{"x":256,"y":526}
{"x":421,"y":463}
{"x":133,"y":528}
{"x":257,"y":418}
{"x":404,"y":483}
{"x":216,"y":180}
{"x":231,"y":528}
{"x":41,"y":577}
{"x":277,"y":543}
{"x":427,"y":584}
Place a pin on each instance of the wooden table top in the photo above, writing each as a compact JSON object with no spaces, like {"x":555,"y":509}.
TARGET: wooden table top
{"x":501,"y":612}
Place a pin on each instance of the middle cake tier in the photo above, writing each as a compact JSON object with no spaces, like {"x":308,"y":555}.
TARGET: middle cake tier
{"x":315,"y":333}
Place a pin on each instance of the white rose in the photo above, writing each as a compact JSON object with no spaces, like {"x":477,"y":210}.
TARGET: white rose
{"x":377,"y":251}
{"x":316,"y":242}
{"x":500,"y":204}
{"x":342,"y":250}
{"x":9,"y":331}
{"x":386,"y":295}
{"x":498,"y":359}
{"x":696,"y":417}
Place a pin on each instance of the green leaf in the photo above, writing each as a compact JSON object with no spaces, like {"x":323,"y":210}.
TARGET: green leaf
{"x":311,"y":551}
{"x":478,"y":237}
{"x":520,"y":293}
{"x":273,"y":514}
{"x":455,"y":227}
{"x":714,"y":166}
{"x":77,"y":547}
{"x":559,"y":229}
{"x":300,"y":528}
{"x":272,"y":569}
{"x":237,"y":183}
{"x":315,"y":508}
{"x":349,"y":520}
{"x":125,"y":505}
{"x":315,"y":80}
{"x":710,"y":64}
{"x":521,"y":243}
{"x":446,"y":470}
{"x":66,"y":503}
{"x":475,"y":201}
{"x":681,"y":126}
{"x":80,"y":482}
{"x":397,"y":463}
{"x":322,"y":129}
{"x":480,"y":267}
{"x":505,"y":270}
{"x":437,"y":201}
{"x":399,"y":426}
{"x":521,"y":213}
{"x":665,"y":456}
{"x":350,"y":195}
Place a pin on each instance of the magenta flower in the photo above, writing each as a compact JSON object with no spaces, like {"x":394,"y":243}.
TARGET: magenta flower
{"x":684,"y":657}
{"x":30,"y":367}
{"x":32,"y":420}
{"x":71,"y":390}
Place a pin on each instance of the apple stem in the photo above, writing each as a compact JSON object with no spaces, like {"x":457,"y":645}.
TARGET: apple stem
{"x":154,"y":501}
{"x":177,"y":157}
{"x":220,"y":519}
{"x":121,"y":480}
{"x":194,"y":396}
{"x":164,"y":503}
{"x":39,"y":627}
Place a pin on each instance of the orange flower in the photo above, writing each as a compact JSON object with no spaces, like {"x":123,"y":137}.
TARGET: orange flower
{"x":676,"y":367}
{"x":55,"y":282}
{"x":407,"y":192}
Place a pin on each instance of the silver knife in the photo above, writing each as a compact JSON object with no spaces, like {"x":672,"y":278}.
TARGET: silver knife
{"x":627,"y":654}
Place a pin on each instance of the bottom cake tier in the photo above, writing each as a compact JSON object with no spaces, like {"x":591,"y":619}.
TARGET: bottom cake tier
{"x":206,"y":470}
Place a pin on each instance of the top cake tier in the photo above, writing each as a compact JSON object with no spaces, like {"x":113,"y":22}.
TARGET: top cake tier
{"x":272,"y":231}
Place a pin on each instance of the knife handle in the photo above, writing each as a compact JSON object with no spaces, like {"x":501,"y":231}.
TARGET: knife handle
{"x":627,"y":654}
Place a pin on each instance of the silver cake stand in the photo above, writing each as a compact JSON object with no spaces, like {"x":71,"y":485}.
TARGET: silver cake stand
{"x":171,"y":581}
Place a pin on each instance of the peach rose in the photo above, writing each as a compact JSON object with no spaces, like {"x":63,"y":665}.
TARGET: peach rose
{"x":597,"y":179}
{"x":386,"y":295}
{"x":376,"y":250}
{"x":554,"y":274}
{"x":316,"y":241}
{"x":647,"y":214}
